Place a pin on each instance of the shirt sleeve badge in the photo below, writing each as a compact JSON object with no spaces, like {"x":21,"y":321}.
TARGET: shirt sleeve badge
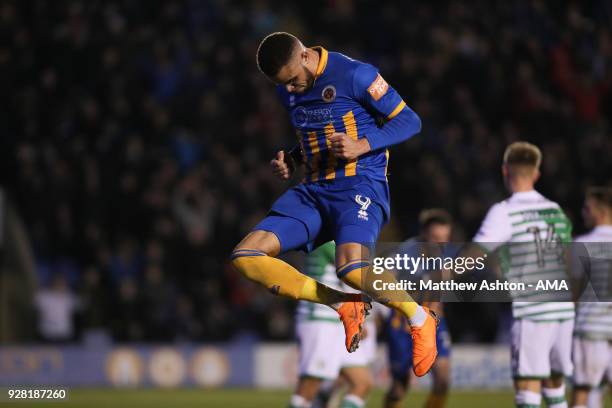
{"x":378,"y":88}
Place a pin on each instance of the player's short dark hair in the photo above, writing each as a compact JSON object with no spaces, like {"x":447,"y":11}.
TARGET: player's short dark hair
{"x":603,"y":195}
{"x":431,"y":216}
{"x":274,"y":52}
{"x":523,"y":154}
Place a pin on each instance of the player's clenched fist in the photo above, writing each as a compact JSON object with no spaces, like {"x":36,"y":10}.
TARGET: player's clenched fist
{"x":280,"y":166}
{"x":344,"y":147}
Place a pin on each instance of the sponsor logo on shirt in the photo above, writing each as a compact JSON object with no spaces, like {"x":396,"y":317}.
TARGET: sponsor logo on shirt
{"x":302,"y":117}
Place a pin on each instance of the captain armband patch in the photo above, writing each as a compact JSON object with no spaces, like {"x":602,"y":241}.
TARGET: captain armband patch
{"x":378,"y":88}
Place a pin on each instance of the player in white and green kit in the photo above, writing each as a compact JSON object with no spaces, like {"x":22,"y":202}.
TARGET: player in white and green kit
{"x":318,"y":330}
{"x":592,"y":346}
{"x":528,"y":230}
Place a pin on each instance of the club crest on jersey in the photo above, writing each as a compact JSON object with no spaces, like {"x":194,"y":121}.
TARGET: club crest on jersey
{"x":364,"y":202}
{"x":329,"y":93}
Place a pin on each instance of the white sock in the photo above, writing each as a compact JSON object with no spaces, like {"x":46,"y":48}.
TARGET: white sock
{"x":555,"y":397}
{"x":528,"y":398}
{"x":297,"y":401}
{"x":351,"y":401}
{"x":419,"y":317}
{"x":595,"y":398}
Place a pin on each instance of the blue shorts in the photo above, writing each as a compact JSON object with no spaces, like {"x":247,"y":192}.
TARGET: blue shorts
{"x":349,"y":209}
{"x":400,"y":344}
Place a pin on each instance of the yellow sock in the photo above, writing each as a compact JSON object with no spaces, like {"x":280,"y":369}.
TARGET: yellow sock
{"x":283,"y":279}
{"x":397,"y":299}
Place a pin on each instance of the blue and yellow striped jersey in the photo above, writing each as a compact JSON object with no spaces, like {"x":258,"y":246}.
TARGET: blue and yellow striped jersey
{"x":347,"y":96}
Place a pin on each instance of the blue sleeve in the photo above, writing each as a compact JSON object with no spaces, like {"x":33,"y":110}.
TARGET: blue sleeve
{"x":373,"y":92}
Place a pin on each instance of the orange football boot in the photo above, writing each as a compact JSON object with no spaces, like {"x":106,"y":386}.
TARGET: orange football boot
{"x":424,"y":350}
{"x":353,"y":316}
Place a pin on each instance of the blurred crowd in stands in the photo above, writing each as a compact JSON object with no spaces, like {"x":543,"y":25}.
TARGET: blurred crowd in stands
{"x":136,"y":139}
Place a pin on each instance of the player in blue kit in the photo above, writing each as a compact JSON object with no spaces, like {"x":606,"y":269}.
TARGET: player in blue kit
{"x":345,"y":116}
{"x":435,"y":228}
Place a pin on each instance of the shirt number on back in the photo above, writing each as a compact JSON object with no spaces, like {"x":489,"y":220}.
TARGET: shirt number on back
{"x":550,"y":244}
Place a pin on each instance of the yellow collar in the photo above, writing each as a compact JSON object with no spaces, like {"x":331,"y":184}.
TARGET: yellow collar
{"x":322,"y":60}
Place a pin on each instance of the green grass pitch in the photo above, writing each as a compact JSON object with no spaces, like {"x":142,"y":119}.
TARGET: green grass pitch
{"x":240,"y":398}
